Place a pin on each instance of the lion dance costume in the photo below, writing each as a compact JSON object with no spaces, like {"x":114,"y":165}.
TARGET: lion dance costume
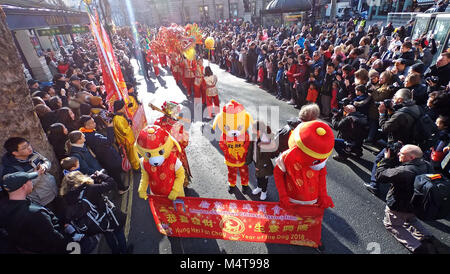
{"x":176,"y":129}
{"x":234,"y":122}
{"x":161,"y":169}
{"x":300,"y":171}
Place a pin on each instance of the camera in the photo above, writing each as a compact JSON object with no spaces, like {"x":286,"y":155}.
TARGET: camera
{"x":433,"y":79}
{"x":394,"y":147}
{"x":388,"y":103}
{"x":344,"y":102}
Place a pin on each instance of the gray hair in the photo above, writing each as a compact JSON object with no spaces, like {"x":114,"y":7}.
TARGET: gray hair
{"x":309,"y":112}
{"x":405,"y":94}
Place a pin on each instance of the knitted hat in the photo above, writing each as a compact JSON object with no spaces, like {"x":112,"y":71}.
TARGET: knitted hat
{"x":314,"y":138}
{"x":152,"y":137}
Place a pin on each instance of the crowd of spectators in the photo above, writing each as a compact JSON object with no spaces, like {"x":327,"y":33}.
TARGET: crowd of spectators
{"x":375,"y":85}
{"x":348,"y":69}
{"x":87,"y":134}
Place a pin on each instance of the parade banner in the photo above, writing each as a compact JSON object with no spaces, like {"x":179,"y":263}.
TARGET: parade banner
{"x":238,"y":220}
{"x":139,"y":120}
{"x":112,"y":74}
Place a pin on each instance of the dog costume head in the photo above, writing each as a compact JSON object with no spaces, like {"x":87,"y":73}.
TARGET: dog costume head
{"x":233,"y":120}
{"x":313,"y":142}
{"x":155,"y":144}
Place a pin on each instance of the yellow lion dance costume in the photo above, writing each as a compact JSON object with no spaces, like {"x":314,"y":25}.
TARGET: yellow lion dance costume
{"x":160,"y":166}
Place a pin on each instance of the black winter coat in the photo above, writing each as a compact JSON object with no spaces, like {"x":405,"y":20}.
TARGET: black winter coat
{"x":401,"y":179}
{"x":103,"y":148}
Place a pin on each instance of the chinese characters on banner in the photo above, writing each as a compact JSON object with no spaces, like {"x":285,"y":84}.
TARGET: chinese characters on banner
{"x":237,"y":220}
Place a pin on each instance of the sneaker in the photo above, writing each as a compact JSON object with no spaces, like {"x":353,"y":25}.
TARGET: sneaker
{"x":121,"y":192}
{"x":263,"y":196}
{"x":256,"y":191}
{"x":372,"y":187}
{"x":291,"y":102}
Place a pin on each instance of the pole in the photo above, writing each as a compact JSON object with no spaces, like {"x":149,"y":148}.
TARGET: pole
{"x":229,"y":10}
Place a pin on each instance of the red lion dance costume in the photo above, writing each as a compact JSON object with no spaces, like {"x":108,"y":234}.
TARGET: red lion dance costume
{"x":234,"y":122}
{"x":300,"y":172}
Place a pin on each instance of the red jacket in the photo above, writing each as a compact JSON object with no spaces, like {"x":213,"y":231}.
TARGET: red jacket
{"x":294,"y":69}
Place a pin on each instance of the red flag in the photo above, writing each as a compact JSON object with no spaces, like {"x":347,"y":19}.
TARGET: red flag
{"x":111,"y":72}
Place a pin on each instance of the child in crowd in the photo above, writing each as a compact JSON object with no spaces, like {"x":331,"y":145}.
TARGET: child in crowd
{"x":312,"y":93}
{"x":280,"y":81}
{"x":261,"y":151}
{"x":70,"y":164}
{"x":334,"y":92}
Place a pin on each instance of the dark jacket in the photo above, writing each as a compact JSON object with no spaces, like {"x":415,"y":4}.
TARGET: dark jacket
{"x":327,"y":84}
{"x":265,"y":151}
{"x":103,"y":148}
{"x":401,"y":179}
{"x":32,"y":228}
{"x":93,"y":192}
{"x":400,"y":125}
{"x":420,"y":94}
{"x":282,"y":136}
{"x":443,"y":73}
{"x":352,"y":127}
{"x":88,"y":164}
{"x":11,"y":164}
{"x":362,"y":103}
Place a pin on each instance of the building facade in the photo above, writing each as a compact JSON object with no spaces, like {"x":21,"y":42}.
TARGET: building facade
{"x":159,"y":12}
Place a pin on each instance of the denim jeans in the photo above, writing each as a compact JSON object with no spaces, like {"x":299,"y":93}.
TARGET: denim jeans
{"x":379,"y":157}
{"x":116,"y":241}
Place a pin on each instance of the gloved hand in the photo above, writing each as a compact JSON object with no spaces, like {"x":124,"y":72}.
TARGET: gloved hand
{"x":77,"y":237}
{"x":325,"y":201}
{"x":173,"y":195}
{"x":143,"y":195}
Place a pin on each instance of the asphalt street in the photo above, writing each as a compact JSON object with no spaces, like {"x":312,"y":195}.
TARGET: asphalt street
{"x":353,"y":226}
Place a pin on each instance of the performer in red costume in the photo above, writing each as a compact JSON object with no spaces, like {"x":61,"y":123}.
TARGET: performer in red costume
{"x":170,"y":123}
{"x":162,"y":59}
{"x":160,"y":167}
{"x":300,"y":172}
{"x":189,"y":68}
{"x":234,"y":122}
{"x":198,"y":78}
{"x":175,"y":67}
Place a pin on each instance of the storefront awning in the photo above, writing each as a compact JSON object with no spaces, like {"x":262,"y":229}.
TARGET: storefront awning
{"x":30,"y":18}
{"x":285,"y":6}
{"x":425,"y":2}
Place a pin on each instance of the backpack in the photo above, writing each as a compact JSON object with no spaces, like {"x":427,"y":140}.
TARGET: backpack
{"x":431,"y":198}
{"x":85,"y":217}
{"x":423,"y":127}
